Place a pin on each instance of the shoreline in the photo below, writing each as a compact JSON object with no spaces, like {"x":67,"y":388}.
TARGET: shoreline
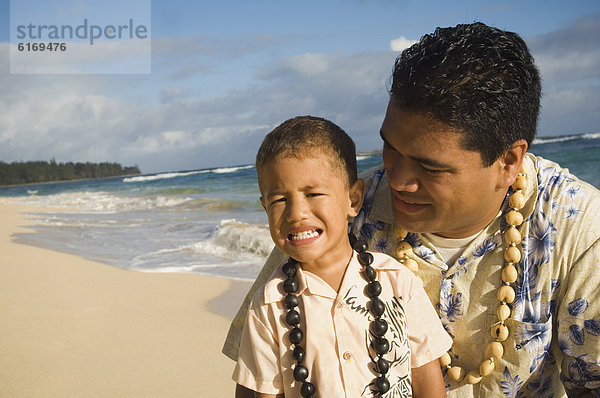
{"x":74,"y":327}
{"x":62,"y":181}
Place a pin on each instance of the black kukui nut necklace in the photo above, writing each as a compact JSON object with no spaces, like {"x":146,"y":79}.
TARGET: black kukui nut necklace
{"x":378,"y":326}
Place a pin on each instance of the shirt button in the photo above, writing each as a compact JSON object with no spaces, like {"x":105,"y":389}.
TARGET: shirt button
{"x":347,"y":356}
{"x":340,"y":305}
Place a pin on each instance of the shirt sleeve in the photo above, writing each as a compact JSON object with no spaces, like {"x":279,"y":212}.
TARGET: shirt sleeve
{"x":428,"y":338}
{"x":234,"y":335}
{"x":579,"y":324}
{"x":258,"y":366}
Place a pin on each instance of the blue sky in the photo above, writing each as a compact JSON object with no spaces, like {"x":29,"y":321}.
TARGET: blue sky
{"x":225,"y":73}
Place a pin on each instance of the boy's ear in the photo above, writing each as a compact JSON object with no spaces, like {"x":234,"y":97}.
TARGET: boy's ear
{"x":356,"y":194}
{"x":263,"y":203}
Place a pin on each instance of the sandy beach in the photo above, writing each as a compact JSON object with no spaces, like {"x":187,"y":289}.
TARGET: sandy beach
{"x":70,"y":327}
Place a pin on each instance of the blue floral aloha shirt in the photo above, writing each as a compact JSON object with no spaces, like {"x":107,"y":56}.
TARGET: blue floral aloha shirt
{"x":554,"y":341}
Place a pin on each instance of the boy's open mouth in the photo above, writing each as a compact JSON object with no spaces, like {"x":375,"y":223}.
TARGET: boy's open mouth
{"x":309,"y":234}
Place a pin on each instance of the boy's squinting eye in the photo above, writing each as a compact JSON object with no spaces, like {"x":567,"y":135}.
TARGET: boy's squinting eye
{"x":313,"y":194}
{"x":278,"y":200}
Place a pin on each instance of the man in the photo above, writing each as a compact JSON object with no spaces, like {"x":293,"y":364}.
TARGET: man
{"x":507,"y":244}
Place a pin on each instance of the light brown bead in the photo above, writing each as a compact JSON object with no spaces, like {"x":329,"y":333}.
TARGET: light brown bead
{"x":516,"y":200}
{"x":473,"y":377}
{"x":512,"y":254}
{"x":503,"y":312}
{"x":520,"y":182}
{"x":486,"y":367}
{"x":499,"y":332}
{"x":404,"y":249}
{"x":494,"y":349}
{"x":512,"y":236}
{"x":411,"y":264}
{"x":445,"y":360}
{"x":506,"y":294}
{"x":456,"y":373}
{"x":514,"y":217}
{"x":509,"y":273}
{"x":400,"y":232}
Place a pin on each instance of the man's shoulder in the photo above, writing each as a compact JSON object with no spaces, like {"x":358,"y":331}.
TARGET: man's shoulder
{"x":270,"y":291}
{"x":563,"y":205}
{"x":557,"y":186}
{"x":372,"y":175}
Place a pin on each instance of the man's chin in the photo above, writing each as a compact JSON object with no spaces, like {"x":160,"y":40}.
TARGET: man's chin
{"x":411,"y":225}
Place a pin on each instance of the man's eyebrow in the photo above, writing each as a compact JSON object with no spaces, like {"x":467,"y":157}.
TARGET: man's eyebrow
{"x":426,"y":161}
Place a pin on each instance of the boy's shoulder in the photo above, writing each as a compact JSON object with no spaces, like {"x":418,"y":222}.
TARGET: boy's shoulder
{"x":271,"y":291}
{"x":385,"y":264}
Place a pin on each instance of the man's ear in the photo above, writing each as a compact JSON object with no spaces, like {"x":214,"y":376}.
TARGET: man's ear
{"x":356,"y":194}
{"x":511,"y":162}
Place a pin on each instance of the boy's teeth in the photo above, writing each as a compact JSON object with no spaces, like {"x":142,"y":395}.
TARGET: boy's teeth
{"x":305,"y":235}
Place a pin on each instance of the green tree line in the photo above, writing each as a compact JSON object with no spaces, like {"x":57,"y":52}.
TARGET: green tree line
{"x":42,"y":171}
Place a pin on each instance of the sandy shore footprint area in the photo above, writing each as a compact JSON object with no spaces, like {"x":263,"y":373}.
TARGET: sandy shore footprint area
{"x":76,"y":328}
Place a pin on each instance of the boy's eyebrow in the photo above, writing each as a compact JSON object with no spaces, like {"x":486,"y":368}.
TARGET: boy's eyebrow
{"x":425,"y":161}
{"x":303,"y":189}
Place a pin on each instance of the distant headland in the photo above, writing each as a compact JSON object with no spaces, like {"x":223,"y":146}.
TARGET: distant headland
{"x":18,"y":173}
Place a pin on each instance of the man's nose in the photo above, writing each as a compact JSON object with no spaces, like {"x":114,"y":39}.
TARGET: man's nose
{"x":402,"y":175}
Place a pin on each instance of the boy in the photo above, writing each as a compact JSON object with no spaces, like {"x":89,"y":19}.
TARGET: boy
{"x":335,"y":320}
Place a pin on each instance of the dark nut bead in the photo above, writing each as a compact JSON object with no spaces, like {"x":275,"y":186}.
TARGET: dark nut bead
{"x":307,"y":389}
{"x":382,"y":384}
{"x":291,"y":301}
{"x":379,"y":327}
{"x":289,"y":269}
{"x":382,"y":366}
{"x":373,"y":289}
{"x":360,"y":245}
{"x":299,"y":354}
{"x":296,"y":335}
{"x":380,"y":345}
{"x":365,"y":258}
{"x":290,"y":285}
{"x":377,"y":307}
{"x":300,"y":372}
{"x":292,"y":318}
{"x":370,"y":273}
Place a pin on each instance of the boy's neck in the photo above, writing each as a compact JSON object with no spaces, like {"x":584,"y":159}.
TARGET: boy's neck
{"x":333,"y":272}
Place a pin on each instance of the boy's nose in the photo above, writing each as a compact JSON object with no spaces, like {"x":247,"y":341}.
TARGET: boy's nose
{"x":297,"y":210}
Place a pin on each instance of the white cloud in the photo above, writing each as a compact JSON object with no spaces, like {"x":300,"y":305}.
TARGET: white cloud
{"x":401,"y":43}
{"x":164,"y":127}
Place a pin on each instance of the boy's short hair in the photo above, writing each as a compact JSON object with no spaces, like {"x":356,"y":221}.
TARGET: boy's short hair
{"x":302,"y":134}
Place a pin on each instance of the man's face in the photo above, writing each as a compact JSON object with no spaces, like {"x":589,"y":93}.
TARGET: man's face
{"x":437,"y":186}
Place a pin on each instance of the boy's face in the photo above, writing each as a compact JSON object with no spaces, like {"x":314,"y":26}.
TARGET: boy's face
{"x":308,"y":203}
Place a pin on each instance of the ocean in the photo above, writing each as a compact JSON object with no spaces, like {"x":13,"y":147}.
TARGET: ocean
{"x":199,"y":221}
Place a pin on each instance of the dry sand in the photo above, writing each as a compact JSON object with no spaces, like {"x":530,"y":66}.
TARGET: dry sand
{"x":70,"y":327}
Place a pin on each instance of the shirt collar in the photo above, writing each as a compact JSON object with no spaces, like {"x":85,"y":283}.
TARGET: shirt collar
{"x":273,"y":290}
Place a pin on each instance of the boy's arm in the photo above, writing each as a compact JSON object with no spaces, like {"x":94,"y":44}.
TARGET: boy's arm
{"x":427,"y":381}
{"x":243,"y":392}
